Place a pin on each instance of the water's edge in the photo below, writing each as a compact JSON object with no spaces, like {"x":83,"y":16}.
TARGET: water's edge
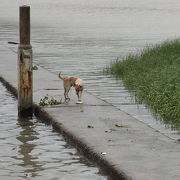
{"x":81,"y":147}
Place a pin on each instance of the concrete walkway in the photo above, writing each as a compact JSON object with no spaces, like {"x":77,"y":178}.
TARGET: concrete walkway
{"x":133,"y":151}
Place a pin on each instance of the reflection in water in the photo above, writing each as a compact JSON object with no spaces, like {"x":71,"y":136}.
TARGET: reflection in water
{"x":26,"y":136}
{"x":32,"y":150}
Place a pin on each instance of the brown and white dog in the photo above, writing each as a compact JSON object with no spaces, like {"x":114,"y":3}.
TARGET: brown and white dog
{"x":68,"y":82}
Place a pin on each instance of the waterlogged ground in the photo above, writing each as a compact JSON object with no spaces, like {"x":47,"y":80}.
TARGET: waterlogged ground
{"x":33,"y":151}
{"x":82,"y":37}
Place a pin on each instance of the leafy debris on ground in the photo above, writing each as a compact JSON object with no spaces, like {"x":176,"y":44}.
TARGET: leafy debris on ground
{"x":90,"y":126}
{"x":34,"y":68}
{"x":121,"y":125}
{"x":49,"y":101}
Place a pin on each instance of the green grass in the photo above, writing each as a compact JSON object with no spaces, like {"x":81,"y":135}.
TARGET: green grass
{"x":154,"y":78}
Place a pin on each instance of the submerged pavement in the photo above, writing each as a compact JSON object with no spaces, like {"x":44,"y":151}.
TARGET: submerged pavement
{"x":123,"y":146}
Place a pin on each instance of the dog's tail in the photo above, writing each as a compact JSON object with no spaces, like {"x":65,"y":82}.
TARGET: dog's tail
{"x":60,"y":77}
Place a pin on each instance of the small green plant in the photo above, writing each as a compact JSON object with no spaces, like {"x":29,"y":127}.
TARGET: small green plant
{"x":43,"y":102}
{"x":34,"y":68}
{"x":47,"y":101}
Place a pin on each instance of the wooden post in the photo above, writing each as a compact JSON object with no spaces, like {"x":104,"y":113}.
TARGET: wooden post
{"x":25,"y":80}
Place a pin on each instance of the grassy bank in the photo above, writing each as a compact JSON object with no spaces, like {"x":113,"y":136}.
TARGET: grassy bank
{"x":154,"y":77}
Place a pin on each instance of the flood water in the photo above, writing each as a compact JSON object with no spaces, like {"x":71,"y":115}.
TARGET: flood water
{"x":32,"y":150}
{"x":80,"y":37}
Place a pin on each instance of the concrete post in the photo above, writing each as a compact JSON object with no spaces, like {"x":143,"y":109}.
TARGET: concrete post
{"x":25,"y":80}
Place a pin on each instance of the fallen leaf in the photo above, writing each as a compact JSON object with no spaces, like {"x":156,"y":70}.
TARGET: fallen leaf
{"x":121,"y":125}
{"x":109,"y":130}
{"x":90,"y":126}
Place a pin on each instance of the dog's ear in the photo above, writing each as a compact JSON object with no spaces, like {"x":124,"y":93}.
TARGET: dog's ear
{"x":79,"y":82}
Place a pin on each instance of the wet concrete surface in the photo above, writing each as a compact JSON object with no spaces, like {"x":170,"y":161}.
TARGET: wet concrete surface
{"x":131,"y":151}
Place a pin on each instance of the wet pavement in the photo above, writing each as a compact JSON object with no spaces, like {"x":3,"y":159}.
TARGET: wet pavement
{"x":80,"y":39}
{"x":122,"y":145}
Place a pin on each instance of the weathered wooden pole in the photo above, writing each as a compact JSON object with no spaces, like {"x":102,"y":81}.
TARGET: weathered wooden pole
{"x":25,"y":80}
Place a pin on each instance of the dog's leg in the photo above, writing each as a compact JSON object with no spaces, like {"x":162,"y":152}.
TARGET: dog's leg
{"x":66,"y":91}
{"x":66,"y":96}
{"x":79,"y":95}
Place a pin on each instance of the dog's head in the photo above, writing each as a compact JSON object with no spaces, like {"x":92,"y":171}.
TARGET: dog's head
{"x":78,"y":85}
